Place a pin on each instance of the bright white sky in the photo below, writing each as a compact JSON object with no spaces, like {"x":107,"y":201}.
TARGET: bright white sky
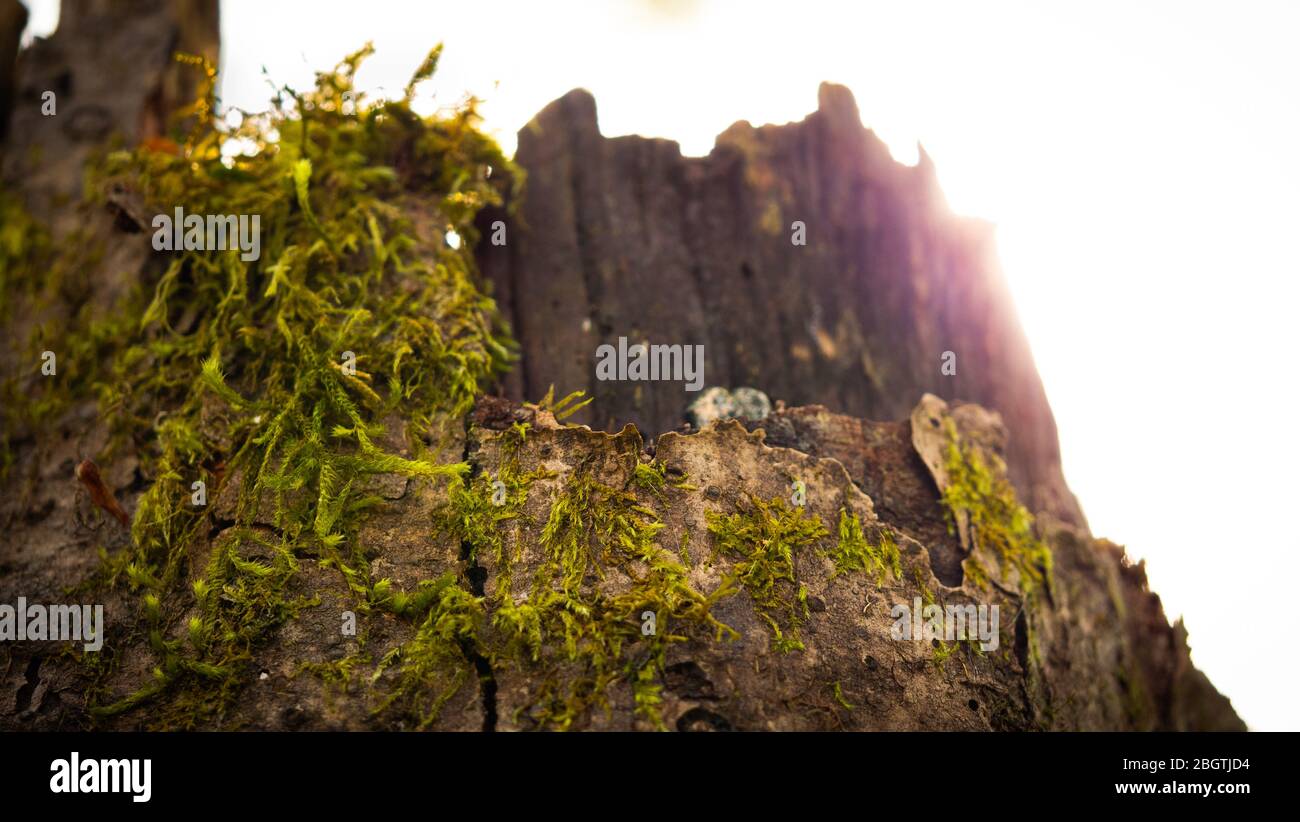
{"x":1141,"y":161}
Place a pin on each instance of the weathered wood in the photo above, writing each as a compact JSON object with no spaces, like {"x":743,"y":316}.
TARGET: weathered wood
{"x":111,"y":67}
{"x":626,"y":237}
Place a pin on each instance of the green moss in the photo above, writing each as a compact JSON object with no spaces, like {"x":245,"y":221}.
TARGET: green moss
{"x":24,"y":245}
{"x":238,"y":601}
{"x":943,"y":651}
{"x":650,"y":476}
{"x":233,"y":371}
{"x":576,"y":637}
{"x":645,"y":691}
{"x":918,"y":577}
{"x":432,"y":667}
{"x":838,"y":693}
{"x":569,"y":405}
{"x":337,"y":675}
{"x":762,"y":542}
{"x":998,"y":522}
{"x":854,"y":553}
{"x":477,"y":510}
{"x":976,"y":572}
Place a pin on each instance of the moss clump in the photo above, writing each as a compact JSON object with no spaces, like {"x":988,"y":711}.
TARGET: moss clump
{"x":838,"y":692}
{"x":477,"y":511}
{"x":650,"y":476}
{"x":645,"y":693}
{"x":943,"y":651}
{"x":998,"y":522}
{"x":557,"y":620}
{"x":564,"y":408}
{"x":337,"y":675}
{"x":577,"y":637}
{"x":653,"y":476}
{"x":854,"y":553}
{"x":274,"y":380}
{"x":241,"y":596}
{"x":434,"y":665}
{"x":763,"y":542}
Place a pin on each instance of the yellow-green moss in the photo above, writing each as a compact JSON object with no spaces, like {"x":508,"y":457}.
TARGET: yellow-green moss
{"x":577,"y":639}
{"x":853,"y":552}
{"x":838,"y":692}
{"x":473,"y":516}
{"x":434,"y":665}
{"x":230,"y":371}
{"x":998,"y":522}
{"x":762,"y":543}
